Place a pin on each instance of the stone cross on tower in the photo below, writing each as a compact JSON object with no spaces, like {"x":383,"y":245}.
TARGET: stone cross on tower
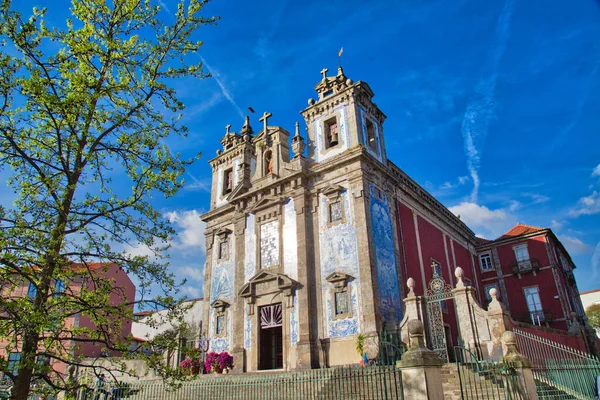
{"x":324,"y":72}
{"x":227,"y":128}
{"x":265,"y":119}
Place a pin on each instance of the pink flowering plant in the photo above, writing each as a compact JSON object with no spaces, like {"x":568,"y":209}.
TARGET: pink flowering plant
{"x":186,"y":364}
{"x":218,"y":362}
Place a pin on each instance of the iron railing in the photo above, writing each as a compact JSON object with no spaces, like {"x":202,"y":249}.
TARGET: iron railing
{"x":370,"y":383}
{"x":559,"y":371}
{"x":489,"y":380}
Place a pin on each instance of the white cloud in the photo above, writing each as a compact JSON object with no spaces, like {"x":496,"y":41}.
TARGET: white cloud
{"x":190,"y":273}
{"x":596,"y":262}
{"x":138,"y":249}
{"x":190,"y":230}
{"x":596,"y":171}
{"x":490,"y":223}
{"x":575,"y":245}
{"x":462,"y":180}
{"x":537,"y":198}
{"x":556,"y":224}
{"x":587,"y":205}
{"x":190,"y":291}
{"x":514,"y":205}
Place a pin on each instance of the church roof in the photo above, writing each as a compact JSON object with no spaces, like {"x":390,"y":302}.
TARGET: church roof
{"x":520,"y":229}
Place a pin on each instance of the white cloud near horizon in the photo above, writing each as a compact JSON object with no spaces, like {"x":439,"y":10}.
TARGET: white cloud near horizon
{"x":190,"y":230}
{"x":575,"y":245}
{"x":489,"y":223}
{"x":587,"y":205}
{"x":596,"y":171}
{"x":480,"y":110}
{"x":190,"y":273}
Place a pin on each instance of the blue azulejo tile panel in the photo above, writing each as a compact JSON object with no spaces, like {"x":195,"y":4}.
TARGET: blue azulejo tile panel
{"x":219,"y":344}
{"x":385,"y":256}
{"x":247,"y":329}
{"x":294,"y":322}
{"x":250,"y":248}
{"x":290,"y":244}
{"x":223,"y":272}
{"x":338,"y":251}
{"x":269,"y":244}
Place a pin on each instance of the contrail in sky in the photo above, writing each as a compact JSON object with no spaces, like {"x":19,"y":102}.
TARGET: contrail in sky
{"x":480,"y":109}
{"x":215,"y":74}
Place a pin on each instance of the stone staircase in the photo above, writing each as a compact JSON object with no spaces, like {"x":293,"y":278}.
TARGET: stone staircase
{"x":549,"y":392}
{"x":483,"y":386}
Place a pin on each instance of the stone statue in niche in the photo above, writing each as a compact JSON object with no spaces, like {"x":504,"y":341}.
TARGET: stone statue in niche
{"x":268,"y":162}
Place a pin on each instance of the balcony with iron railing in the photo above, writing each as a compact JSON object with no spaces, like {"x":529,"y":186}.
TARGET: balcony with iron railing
{"x":525,"y":266}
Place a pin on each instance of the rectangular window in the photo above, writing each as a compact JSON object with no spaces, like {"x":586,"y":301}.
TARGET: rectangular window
{"x":220,"y":328}
{"x":335,"y":211}
{"x":224,"y":249}
{"x":32,"y":291}
{"x":534,"y":304}
{"x":485,"y":261}
{"x":371,"y":138}
{"x":227,"y":181}
{"x":341,"y":303}
{"x":13,"y":362}
{"x":59,"y":287}
{"x":332,"y":134}
{"x":522,"y":256}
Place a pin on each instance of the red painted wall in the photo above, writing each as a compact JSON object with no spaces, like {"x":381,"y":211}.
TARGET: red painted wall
{"x":543,"y":279}
{"x":121,"y":280}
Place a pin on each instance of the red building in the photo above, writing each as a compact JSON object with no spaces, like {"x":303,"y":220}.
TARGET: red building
{"x":534,"y":275}
{"x":123,"y":293}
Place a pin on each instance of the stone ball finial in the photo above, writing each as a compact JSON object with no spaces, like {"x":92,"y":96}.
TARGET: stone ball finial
{"x":459,"y":273}
{"x":415,"y":327}
{"x":349,"y":82}
{"x":219,"y":152}
{"x":494,"y":293}
{"x":509,"y":337}
{"x":573,"y":315}
{"x":411,"y":283}
{"x":311,"y":101}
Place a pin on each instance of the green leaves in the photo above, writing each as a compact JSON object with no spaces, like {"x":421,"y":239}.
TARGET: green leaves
{"x":85,"y":112}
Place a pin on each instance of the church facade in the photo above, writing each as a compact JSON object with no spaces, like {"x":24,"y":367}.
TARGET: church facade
{"x":309,"y":243}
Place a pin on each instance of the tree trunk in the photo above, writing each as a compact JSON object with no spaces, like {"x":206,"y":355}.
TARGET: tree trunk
{"x":22,"y":381}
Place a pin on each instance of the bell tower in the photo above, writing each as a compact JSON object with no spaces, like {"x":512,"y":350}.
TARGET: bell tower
{"x":343,"y":117}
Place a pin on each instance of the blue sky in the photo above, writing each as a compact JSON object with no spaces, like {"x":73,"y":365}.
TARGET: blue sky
{"x":493,"y":106}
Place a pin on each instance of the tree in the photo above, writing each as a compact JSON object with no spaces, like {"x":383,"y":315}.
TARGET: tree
{"x":593,"y":315}
{"x":84,"y":108}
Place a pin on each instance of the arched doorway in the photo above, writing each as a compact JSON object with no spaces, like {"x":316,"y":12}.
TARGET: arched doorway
{"x":271,"y":337}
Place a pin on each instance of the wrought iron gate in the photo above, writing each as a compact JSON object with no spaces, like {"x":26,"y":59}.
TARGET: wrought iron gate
{"x":435,"y":303}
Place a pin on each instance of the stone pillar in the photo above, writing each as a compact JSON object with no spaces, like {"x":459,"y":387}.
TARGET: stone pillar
{"x":238,"y":308}
{"x":521,"y":364}
{"x":412,"y":309}
{"x":305,"y":346}
{"x":499,"y":322}
{"x":463,"y":300}
{"x":421,"y":367}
